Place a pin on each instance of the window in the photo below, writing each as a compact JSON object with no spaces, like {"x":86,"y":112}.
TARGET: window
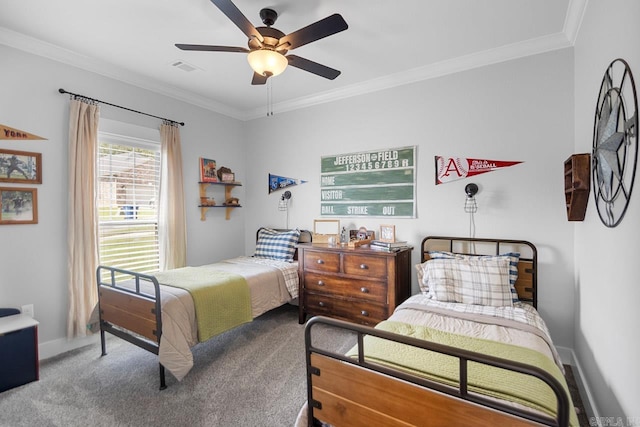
{"x":128,"y":175}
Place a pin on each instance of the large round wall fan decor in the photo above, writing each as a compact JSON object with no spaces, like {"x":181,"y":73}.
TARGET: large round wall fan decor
{"x":615,"y":143}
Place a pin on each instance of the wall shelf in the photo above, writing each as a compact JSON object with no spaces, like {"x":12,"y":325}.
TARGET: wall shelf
{"x":228,"y":188}
{"x":577,"y":182}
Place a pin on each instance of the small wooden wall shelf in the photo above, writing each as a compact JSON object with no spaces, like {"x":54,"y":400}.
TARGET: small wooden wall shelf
{"x":577,"y":182}
{"x":228,"y":188}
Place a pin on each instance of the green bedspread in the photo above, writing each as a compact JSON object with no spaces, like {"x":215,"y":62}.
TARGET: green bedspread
{"x":222,"y":300}
{"x":488,"y":380}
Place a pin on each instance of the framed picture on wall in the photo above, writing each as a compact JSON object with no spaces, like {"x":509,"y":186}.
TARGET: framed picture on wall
{"x":20,"y":166}
{"x":18,"y":205}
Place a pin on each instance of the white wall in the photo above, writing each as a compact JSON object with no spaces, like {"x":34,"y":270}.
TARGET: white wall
{"x":33,"y":258}
{"x":607,"y":343}
{"x":519,"y":110}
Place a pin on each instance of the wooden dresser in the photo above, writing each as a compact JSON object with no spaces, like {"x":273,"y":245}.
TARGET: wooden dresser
{"x":360,"y":285}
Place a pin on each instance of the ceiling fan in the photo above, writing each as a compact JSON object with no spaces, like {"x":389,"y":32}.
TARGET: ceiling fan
{"x":268,"y":46}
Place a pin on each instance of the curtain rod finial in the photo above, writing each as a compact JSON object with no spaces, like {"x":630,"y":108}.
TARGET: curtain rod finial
{"x":62,"y":90}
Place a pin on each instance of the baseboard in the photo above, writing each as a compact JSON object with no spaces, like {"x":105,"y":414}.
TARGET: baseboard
{"x":53,"y":348}
{"x":568,"y":356}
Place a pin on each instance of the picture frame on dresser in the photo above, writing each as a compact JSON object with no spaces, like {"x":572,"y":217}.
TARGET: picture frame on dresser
{"x":388,"y":233}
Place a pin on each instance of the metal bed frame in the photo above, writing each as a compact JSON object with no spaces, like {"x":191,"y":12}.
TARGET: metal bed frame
{"x":339,"y":387}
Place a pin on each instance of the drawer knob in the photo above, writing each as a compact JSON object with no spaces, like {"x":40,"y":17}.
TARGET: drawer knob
{"x":320,"y":261}
{"x":321,"y":304}
{"x":363,"y":266}
{"x":364,"y":313}
{"x":320,"y":283}
{"x":364,"y":290}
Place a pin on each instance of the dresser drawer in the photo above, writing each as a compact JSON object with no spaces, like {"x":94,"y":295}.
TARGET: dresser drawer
{"x":362,"y":265}
{"x":353,"y":311}
{"x":344,"y":287}
{"x":322,"y":261}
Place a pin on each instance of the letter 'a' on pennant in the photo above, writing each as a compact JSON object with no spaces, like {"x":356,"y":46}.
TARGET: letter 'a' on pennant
{"x":9,"y":133}
{"x":453,"y":168}
{"x":277,"y":182}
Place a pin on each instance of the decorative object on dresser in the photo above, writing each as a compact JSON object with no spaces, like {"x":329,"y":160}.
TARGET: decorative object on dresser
{"x":396,"y":246}
{"x":325,"y":230}
{"x":360,"y":285}
{"x":388,"y":233}
{"x":615,"y":143}
{"x":360,"y":237}
{"x":576,"y":185}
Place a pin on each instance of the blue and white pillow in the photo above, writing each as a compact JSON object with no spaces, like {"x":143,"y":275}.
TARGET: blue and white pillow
{"x":278,"y":245}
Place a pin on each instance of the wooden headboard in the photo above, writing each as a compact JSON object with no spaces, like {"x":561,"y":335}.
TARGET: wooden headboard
{"x":527,"y":283}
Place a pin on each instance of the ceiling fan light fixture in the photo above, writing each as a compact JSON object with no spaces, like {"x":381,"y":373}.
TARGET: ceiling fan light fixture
{"x":267,"y":62}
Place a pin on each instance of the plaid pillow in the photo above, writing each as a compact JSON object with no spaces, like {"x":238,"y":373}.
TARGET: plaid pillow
{"x":474,"y":280}
{"x":514,"y":258}
{"x":280,"y":245}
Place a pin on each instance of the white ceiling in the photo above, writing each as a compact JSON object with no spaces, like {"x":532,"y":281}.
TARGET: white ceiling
{"x":387,"y":43}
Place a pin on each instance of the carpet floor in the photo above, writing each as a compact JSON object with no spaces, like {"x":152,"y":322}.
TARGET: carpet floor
{"x":253,"y":375}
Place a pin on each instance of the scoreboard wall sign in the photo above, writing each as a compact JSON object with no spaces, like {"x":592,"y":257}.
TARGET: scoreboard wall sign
{"x":377,"y":183}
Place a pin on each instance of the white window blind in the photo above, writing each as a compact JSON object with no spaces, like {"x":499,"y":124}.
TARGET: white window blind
{"x":128,"y":183}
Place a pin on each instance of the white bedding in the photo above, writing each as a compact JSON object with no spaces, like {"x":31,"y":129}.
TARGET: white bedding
{"x":519,"y":325}
{"x":271,"y":284}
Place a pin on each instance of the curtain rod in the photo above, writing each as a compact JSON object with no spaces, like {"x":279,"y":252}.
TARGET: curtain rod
{"x":119,"y":106}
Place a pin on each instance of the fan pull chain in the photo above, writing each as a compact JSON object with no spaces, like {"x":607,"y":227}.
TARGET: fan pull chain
{"x":269,"y":98}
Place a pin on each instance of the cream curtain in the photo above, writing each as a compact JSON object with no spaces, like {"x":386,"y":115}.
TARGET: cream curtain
{"x":171,"y":217}
{"x":82,"y":234}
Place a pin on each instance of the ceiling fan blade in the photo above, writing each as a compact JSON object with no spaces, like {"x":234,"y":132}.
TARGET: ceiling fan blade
{"x":312,"y":67}
{"x":316,"y":31}
{"x":233,"y":13}
{"x":259,"y":79}
{"x":210,"y":48}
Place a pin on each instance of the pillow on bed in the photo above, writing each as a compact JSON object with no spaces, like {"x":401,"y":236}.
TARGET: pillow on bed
{"x":472,"y":280}
{"x":514,"y":258}
{"x":280,"y":245}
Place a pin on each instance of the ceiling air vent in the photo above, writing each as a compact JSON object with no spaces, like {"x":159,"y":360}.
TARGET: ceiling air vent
{"x":184,"y":66}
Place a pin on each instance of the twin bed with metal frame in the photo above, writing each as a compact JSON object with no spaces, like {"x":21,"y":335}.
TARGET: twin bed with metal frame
{"x":423,"y":366}
{"x":168,"y":320}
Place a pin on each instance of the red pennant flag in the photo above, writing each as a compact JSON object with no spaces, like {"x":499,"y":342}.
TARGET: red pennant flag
{"x":14,"y":134}
{"x":453,"y":168}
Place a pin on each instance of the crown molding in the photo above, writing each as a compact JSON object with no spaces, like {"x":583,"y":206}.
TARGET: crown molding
{"x":47,"y":50}
{"x":561,"y":40}
{"x":439,"y":69}
{"x":573,"y":19}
